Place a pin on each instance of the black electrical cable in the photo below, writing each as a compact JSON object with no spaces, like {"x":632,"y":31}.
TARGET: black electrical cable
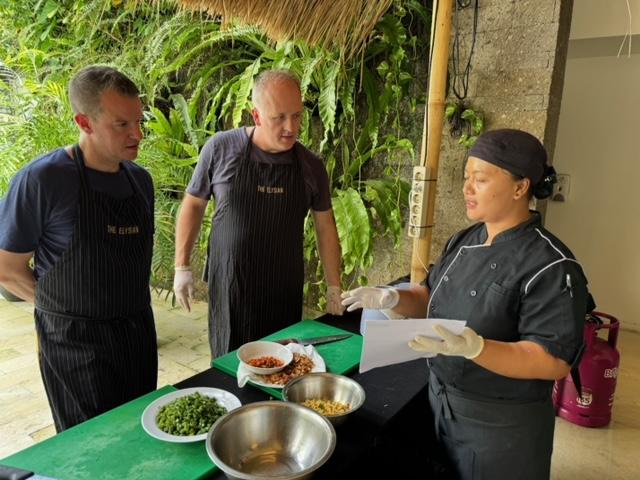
{"x":460,"y":81}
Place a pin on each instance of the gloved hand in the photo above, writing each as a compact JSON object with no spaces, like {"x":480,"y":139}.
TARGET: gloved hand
{"x":468,"y":345}
{"x":371,"y":297}
{"x":183,"y":286}
{"x":334,"y":307}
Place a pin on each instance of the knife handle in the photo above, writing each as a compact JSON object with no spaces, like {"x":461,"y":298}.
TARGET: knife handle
{"x":13,"y":473}
{"x":286,"y":341}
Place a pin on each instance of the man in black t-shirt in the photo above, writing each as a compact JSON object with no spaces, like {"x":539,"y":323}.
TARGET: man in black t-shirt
{"x":84,"y":213}
{"x":264,"y":182}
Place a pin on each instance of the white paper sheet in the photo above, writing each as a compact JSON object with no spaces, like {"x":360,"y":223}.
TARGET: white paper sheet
{"x":386,"y":341}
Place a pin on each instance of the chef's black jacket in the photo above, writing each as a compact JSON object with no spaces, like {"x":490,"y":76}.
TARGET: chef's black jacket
{"x":526,"y":285}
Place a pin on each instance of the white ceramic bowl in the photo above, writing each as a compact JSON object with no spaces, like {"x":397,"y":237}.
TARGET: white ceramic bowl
{"x":252,"y":350}
{"x":149,"y":416}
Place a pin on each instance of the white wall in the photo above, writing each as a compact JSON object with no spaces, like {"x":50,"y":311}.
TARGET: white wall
{"x":598,"y":145}
{"x":604,"y":18}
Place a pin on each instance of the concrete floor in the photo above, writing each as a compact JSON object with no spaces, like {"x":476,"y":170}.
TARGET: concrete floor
{"x":579,"y":453}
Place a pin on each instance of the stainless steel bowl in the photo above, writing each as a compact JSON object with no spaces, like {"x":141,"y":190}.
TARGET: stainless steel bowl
{"x":326,"y":386}
{"x":270,"y":439}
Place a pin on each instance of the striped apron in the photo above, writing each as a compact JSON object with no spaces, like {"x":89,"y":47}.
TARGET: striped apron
{"x":255,"y":268}
{"x":96,"y":334}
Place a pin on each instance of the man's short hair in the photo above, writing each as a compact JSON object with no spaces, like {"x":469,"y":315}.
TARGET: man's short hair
{"x":271,"y":76}
{"x":86,"y":88}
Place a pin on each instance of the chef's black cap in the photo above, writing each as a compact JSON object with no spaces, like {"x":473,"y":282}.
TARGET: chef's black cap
{"x":514,"y":150}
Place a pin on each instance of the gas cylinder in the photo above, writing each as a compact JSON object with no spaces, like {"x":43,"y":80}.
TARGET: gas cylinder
{"x":598,"y":376}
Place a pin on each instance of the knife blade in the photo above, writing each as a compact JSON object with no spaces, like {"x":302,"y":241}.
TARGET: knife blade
{"x":315,"y":340}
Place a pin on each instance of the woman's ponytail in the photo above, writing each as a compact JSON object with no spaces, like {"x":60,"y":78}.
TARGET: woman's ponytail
{"x":544,"y":188}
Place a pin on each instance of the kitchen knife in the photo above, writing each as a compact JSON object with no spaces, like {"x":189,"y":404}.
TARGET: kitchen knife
{"x":314,"y":340}
{"x":13,"y":473}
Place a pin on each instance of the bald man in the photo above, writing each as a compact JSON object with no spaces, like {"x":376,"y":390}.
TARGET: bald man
{"x":263,"y":182}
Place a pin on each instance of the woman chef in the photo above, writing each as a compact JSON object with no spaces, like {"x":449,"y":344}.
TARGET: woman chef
{"x":524,"y":297}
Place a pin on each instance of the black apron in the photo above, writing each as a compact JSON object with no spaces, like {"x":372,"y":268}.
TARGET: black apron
{"x":96,"y":335}
{"x":255,"y":267}
{"x":487,"y":439}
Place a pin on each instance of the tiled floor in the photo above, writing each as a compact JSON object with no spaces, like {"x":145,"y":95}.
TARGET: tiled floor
{"x":25,"y":418}
{"x":579,"y":453}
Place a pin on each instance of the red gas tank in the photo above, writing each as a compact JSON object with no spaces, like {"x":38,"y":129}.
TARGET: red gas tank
{"x":598,"y":375}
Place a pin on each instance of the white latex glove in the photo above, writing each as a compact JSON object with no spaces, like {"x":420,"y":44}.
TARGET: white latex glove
{"x":183,"y":286}
{"x":371,"y":297}
{"x":468,"y":345}
{"x":334,"y":305}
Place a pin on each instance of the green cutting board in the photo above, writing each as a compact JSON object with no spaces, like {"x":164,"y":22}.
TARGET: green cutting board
{"x":114,"y":446}
{"x":340,"y":357}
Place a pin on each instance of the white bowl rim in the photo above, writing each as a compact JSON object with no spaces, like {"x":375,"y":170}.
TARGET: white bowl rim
{"x":286,"y":353}
{"x":148,"y":418}
{"x":277,"y":403}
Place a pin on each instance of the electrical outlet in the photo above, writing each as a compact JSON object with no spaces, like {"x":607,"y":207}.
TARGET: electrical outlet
{"x":417,"y":198}
{"x":561,"y":188}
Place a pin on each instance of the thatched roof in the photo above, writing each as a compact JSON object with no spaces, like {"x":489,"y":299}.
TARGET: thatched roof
{"x":342,"y":24}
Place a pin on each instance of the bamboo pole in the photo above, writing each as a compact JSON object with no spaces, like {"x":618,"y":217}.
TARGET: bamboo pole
{"x":423,"y":195}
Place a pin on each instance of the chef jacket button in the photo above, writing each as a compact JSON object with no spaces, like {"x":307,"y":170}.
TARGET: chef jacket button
{"x":473,"y":293}
{"x":433,"y":307}
{"x":493,"y":266}
{"x":446,"y":278}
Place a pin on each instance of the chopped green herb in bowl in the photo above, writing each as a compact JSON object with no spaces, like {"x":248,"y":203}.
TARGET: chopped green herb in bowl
{"x":190,"y":415}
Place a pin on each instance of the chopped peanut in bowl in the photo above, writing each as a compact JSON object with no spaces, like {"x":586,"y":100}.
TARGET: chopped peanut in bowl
{"x":327,"y":407}
{"x":300,"y":365}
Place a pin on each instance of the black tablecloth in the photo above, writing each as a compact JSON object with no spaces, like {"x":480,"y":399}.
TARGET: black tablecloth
{"x":380,"y":438}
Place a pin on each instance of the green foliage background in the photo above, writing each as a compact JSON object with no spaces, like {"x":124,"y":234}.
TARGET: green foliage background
{"x":196,"y":79}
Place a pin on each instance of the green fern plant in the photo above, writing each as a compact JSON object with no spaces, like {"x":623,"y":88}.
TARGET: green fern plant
{"x":197,"y":79}
{"x":465,"y":123}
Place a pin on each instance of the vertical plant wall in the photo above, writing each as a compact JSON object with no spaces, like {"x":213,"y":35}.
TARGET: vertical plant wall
{"x":196,"y":79}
